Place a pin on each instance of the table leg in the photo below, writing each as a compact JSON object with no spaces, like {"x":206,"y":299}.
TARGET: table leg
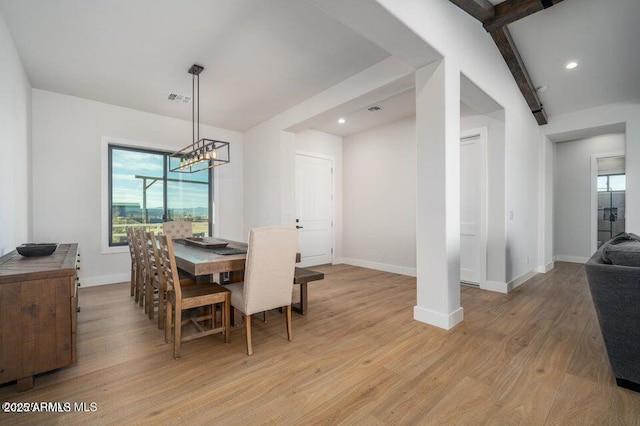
{"x":227,"y":320}
{"x":302,"y":306}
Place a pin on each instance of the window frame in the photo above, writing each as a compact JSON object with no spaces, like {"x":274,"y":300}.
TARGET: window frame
{"x":165,"y":154}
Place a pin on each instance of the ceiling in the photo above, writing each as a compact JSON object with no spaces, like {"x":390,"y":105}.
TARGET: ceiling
{"x":262,"y":58}
{"x":602,"y":36}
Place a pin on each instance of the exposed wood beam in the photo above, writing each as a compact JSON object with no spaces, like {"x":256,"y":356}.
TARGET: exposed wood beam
{"x":513,"y":10}
{"x":479,"y":9}
{"x":511,"y":56}
{"x":495,"y":20}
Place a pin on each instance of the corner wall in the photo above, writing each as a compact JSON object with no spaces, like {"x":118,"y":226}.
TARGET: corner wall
{"x":380,"y":198}
{"x":15,"y":146}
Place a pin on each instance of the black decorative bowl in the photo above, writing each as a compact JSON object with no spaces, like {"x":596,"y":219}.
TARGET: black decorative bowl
{"x":32,"y":249}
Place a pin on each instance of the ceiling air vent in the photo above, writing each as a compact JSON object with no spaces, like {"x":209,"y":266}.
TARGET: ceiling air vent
{"x":178,"y":99}
{"x":374,"y":108}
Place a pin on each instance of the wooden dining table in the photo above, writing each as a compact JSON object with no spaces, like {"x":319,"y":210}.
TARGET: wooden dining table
{"x":198,"y":261}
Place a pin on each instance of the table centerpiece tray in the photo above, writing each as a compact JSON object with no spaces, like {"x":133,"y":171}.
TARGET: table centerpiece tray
{"x":205,"y":242}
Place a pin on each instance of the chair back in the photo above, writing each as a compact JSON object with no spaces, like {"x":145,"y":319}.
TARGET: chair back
{"x":145,"y":265}
{"x":178,"y":229}
{"x":269,"y":268}
{"x":154,"y":260}
{"x":130,"y":239}
{"x":168,"y":265}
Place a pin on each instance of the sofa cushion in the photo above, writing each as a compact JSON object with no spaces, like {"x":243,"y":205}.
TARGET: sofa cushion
{"x":623,"y":249}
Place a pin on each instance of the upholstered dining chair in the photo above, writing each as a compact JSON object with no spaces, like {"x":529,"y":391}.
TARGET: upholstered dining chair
{"x":268,"y":276}
{"x":134,"y":266}
{"x":178,"y":229}
{"x":181,"y":298}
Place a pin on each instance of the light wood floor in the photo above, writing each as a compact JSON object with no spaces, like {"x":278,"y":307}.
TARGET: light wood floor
{"x":532,"y":357}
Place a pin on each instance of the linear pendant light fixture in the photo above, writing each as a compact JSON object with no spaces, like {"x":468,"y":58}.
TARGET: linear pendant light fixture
{"x":203,"y":153}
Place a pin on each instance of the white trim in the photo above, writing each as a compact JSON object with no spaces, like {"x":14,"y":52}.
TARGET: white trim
{"x":446,"y":321}
{"x":571,"y":259}
{"x":594,"y":198}
{"x":546,"y":268}
{"x":517,"y":282}
{"x":333,"y":194}
{"x":104,"y":279}
{"x":495,"y":286}
{"x":505,"y":288}
{"x":481,"y":133}
{"x":394,"y":269}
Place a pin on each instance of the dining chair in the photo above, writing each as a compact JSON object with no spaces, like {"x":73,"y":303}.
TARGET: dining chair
{"x":137,"y":249}
{"x":146,"y":272}
{"x":178,"y":229}
{"x":182,"y":298}
{"x":134,"y":266}
{"x":268,"y":276}
{"x":155,"y":280}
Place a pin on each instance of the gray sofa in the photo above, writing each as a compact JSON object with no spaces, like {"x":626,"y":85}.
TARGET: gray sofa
{"x":613,"y":273}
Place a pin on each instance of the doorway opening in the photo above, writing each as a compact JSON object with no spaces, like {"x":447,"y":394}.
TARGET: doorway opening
{"x":610,"y":187}
{"x":473,"y":205}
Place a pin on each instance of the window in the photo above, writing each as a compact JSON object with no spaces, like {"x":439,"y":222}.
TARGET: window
{"x":612,"y":183}
{"x":142,"y":191}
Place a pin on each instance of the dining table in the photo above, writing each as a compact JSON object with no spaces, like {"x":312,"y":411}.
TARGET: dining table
{"x":207,"y":256}
{"x":204,"y":259}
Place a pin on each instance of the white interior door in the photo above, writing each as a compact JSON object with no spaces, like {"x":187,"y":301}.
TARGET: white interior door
{"x":314,"y":209}
{"x":472,"y":202}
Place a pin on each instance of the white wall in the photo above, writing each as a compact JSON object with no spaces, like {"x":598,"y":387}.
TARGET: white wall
{"x":328,"y":145}
{"x":15,"y":146}
{"x":67,"y":184}
{"x":380,"y":198}
{"x":572,"y":194}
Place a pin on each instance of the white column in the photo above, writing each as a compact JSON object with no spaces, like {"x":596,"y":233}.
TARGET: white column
{"x":438,"y":195}
{"x":632,"y":170}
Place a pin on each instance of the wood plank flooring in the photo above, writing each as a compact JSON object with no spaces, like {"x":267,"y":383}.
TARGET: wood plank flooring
{"x":532,"y":357}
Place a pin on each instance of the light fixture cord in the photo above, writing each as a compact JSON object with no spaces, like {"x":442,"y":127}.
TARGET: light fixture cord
{"x":193,"y":111}
{"x":198,"y":107}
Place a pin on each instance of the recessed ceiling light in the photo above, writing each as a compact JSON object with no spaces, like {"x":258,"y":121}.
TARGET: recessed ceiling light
{"x":341,"y":120}
{"x":571,"y":65}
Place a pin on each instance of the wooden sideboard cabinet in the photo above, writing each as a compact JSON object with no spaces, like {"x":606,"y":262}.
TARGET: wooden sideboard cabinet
{"x":38,"y":308}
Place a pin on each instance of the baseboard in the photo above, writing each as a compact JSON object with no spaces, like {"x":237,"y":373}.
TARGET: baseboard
{"x":438,"y":319}
{"x":546,"y":268}
{"x":394,"y":269}
{"x":496,"y":286}
{"x":572,"y":259}
{"x":105,"y":279}
{"x":517,"y":282}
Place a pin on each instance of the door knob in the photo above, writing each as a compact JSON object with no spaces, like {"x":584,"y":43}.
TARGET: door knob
{"x":299,"y":227}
